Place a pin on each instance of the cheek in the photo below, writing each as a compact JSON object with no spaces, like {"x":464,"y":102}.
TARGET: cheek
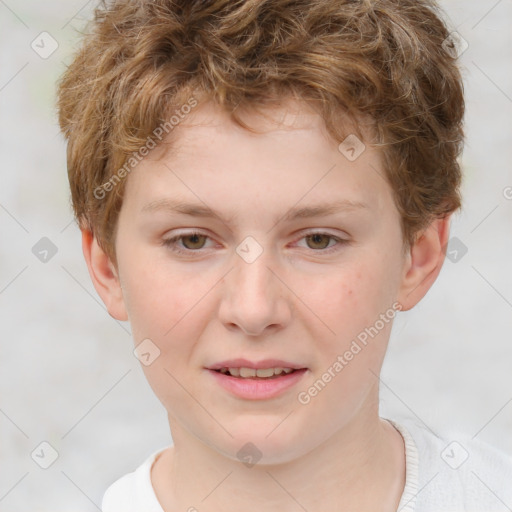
{"x":166,"y":308}
{"x":349,"y":301}
{"x":345,"y":298}
{"x":160,"y":302}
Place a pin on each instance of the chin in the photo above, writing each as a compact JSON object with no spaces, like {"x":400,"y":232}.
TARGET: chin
{"x":265,"y":441}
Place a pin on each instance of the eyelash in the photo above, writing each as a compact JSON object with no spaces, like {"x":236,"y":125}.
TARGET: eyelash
{"x":170,"y":243}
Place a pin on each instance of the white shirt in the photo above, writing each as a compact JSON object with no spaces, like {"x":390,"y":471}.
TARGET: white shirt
{"x":450,"y":474}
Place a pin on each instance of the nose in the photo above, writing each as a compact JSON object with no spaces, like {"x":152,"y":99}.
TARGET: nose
{"x":254,"y":299}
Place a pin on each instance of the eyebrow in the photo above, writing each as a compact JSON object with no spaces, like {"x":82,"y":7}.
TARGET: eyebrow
{"x":304,"y":212}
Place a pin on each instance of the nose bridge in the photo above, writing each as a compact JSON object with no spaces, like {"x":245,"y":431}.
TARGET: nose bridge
{"x":253,"y":298}
{"x":253,"y":279}
{"x":253,"y":276}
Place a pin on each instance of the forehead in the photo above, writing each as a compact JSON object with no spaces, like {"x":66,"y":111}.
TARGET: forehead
{"x":291,"y":159}
{"x":290,"y":119}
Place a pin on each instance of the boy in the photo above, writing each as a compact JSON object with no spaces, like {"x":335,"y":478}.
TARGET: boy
{"x":310,"y":150}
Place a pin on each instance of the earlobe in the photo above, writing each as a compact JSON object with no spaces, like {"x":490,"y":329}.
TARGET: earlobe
{"x":104,"y":276}
{"x":424,"y":262}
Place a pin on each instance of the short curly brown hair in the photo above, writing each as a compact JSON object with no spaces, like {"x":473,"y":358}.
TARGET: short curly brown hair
{"x":386,"y":60}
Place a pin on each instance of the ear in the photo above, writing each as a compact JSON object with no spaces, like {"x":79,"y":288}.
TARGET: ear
{"x":104,"y":276}
{"x":423,"y":262}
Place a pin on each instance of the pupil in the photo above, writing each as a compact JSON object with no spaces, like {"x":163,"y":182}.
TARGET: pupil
{"x":194,"y":238}
{"x":316,"y":236}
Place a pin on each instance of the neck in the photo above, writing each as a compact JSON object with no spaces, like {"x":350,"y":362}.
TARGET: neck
{"x":361,"y":467}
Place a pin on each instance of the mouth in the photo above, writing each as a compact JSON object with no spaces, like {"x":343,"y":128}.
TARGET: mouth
{"x":257,"y":381}
{"x":253,"y":373}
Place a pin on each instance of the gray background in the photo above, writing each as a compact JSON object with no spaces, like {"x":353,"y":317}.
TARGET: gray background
{"x":68,"y":375}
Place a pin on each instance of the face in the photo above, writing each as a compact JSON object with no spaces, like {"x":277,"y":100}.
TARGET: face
{"x":271,"y":277}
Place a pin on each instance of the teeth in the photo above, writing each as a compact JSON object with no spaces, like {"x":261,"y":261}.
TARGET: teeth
{"x":265,"y":372}
{"x":251,"y":372}
{"x":247,"y":372}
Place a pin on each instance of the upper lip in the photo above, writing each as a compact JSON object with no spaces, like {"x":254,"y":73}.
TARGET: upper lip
{"x":265,"y":363}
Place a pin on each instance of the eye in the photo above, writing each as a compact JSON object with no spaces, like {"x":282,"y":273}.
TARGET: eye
{"x":319,"y":242}
{"x":195,"y":241}
{"x":192,"y":242}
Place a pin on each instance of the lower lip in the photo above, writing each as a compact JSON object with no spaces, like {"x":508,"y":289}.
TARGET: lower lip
{"x":258,"y":389}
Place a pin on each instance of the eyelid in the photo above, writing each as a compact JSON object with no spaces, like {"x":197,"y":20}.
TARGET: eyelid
{"x":182,"y":234}
{"x":171,"y":241}
{"x":318,"y":231}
